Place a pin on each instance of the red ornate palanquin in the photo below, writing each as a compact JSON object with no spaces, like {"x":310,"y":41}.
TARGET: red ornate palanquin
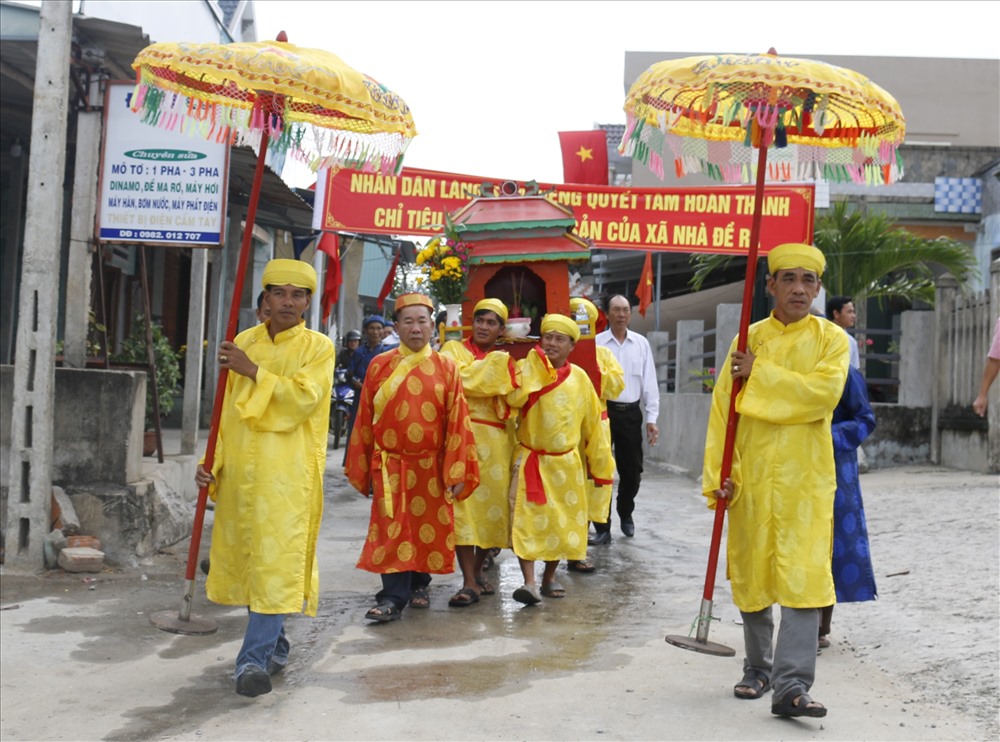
{"x":523,"y":245}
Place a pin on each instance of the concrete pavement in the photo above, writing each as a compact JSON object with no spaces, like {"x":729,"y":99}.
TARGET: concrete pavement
{"x":81,"y":661}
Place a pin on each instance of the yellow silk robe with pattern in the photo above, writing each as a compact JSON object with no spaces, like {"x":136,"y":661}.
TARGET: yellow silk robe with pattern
{"x":411,"y":442}
{"x":612,"y":384}
{"x":781,"y":514}
{"x":558,"y":420}
{"x":269,"y":464}
{"x":483,"y":519}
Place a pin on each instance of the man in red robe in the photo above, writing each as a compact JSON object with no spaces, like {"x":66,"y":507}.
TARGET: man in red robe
{"x":412,"y":447}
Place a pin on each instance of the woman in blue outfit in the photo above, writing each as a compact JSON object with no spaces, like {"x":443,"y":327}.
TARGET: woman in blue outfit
{"x":853,"y":576}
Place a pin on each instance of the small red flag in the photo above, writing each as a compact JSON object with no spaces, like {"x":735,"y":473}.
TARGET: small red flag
{"x":390,"y":279}
{"x":644,"y":292}
{"x":329,"y":243}
{"x":585,"y":156}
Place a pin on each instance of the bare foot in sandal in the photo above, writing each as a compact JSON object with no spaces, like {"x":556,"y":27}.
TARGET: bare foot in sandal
{"x":553,"y":590}
{"x":485,"y":586}
{"x":755,"y":683}
{"x":465,"y":596}
{"x":800,"y":705}
{"x":420,"y":598}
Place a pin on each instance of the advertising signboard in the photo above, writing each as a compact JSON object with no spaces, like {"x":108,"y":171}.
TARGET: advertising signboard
{"x":158,"y":185}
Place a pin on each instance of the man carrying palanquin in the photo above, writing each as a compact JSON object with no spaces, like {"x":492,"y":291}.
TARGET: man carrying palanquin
{"x":781,"y":491}
{"x":482,"y":520}
{"x":267,"y":474}
{"x":412,"y":446}
{"x":559,"y":413}
{"x":611,"y":386}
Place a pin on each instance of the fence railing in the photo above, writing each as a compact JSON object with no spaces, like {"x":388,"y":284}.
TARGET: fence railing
{"x":682,"y":364}
{"x":960,"y":340}
{"x":931,"y":359}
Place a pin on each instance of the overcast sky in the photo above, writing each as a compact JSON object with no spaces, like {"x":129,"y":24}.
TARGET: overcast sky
{"x":491,"y":84}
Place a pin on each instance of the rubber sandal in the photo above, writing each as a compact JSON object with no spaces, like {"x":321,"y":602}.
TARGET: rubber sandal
{"x":553,"y":590}
{"x":420,"y":598}
{"x":465,"y":596}
{"x":485,"y":586}
{"x":527,"y":595}
{"x":788,"y":707}
{"x":580,"y":565}
{"x":384,"y":612}
{"x":755,"y":681}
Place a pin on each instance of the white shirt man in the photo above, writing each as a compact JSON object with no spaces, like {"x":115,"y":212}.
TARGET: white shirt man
{"x":840,"y":310}
{"x":641,"y":398}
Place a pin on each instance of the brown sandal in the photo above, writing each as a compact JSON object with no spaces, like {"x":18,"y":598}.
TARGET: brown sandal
{"x":420,"y":598}
{"x":465,"y":596}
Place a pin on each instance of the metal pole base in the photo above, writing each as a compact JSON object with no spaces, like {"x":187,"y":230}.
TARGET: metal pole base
{"x":194,"y":626}
{"x":700,"y":642}
{"x":705,"y":647}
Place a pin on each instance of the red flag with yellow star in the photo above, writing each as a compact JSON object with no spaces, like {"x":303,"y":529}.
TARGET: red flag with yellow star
{"x":585,"y":156}
{"x":644,"y":291}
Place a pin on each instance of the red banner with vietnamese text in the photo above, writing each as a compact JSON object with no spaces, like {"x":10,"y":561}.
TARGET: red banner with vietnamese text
{"x":712,"y":219}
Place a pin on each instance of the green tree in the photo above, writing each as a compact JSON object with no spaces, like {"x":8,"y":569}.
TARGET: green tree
{"x":168,"y":366}
{"x":870,"y":257}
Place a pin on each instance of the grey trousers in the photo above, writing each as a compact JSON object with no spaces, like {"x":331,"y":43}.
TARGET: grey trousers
{"x":791,"y":663}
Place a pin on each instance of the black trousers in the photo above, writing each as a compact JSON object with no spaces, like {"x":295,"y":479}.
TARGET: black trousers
{"x":626,"y":442}
{"x":397,"y":587}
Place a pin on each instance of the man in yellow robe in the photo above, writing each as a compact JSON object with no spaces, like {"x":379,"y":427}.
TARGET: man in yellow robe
{"x":482,"y":520}
{"x":780,"y":494}
{"x":412,"y":447}
{"x":612,"y":384}
{"x":559,"y":413}
{"x":267,"y":475}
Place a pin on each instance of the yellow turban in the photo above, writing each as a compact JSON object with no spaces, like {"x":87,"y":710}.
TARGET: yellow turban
{"x":560,"y":323}
{"x":795,"y":255}
{"x":285,"y":272}
{"x":493,"y":305}
{"x":576,"y":301}
{"x":413,"y":299}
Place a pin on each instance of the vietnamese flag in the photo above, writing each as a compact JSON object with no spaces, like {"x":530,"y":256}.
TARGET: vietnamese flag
{"x":390,"y":279}
{"x":644,"y":291}
{"x":329,"y":243}
{"x":585,"y":156}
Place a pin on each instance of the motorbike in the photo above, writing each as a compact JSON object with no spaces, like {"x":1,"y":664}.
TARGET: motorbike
{"x":342,"y":397}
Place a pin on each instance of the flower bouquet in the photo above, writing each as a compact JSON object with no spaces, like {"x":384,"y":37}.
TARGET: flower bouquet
{"x":445,"y":266}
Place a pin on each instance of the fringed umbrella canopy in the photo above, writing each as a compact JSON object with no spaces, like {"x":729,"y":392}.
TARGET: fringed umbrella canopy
{"x":310,"y":102}
{"x":710,"y":112}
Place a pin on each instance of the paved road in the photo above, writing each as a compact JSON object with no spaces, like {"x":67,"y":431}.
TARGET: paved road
{"x":80,"y":660}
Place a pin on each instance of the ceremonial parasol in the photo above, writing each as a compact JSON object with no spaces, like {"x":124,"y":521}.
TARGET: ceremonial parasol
{"x":272,"y":95}
{"x":813,"y":120}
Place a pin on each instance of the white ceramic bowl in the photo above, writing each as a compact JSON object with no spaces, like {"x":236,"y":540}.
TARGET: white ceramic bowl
{"x":517,"y":327}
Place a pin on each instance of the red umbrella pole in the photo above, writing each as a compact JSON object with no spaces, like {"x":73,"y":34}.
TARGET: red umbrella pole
{"x":182,"y":623}
{"x":701,"y":643}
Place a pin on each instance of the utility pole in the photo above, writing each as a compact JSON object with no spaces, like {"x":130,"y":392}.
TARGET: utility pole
{"x":29,"y":501}
{"x":195,"y":351}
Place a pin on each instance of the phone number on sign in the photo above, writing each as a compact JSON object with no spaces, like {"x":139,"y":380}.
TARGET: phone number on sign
{"x":152,"y":234}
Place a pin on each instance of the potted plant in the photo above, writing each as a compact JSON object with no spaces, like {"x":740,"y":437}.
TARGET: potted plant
{"x":168,"y":372}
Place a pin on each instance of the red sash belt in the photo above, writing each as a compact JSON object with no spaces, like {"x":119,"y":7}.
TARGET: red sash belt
{"x":533,"y":489}
{"x":491,"y":423}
